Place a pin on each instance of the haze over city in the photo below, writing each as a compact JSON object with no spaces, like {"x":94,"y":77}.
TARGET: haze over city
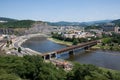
{"x":61,"y":10}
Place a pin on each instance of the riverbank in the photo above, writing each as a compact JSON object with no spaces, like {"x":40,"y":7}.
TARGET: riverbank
{"x":11,"y":71}
{"x":107,"y":47}
{"x":17,"y":42}
{"x":96,"y":57}
{"x":25,"y":38}
{"x":60,"y":42}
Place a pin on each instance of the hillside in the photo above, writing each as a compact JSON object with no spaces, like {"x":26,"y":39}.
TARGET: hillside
{"x":34,"y":68}
{"x":4,"y":19}
{"x":24,"y":27}
{"x":65,"y":23}
{"x":117,"y":22}
{"x":17,"y":24}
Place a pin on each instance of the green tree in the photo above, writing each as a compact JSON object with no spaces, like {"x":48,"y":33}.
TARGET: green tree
{"x":19,"y":49}
{"x":10,"y":41}
{"x":106,"y":40}
{"x":75,"y":41}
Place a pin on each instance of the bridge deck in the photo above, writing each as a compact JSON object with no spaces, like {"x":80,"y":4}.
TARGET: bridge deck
{"x":73,"y":47}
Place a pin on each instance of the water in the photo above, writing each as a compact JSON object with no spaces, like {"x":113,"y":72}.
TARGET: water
{"x":41,"y":44}
{"x":102,"y":58}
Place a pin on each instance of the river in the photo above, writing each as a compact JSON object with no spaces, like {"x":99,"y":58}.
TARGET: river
{"x":102,"y":58}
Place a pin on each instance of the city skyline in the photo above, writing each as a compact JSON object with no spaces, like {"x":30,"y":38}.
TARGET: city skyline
{"x":61,"y":10}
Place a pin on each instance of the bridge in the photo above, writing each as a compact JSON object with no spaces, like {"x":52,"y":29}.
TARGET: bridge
{"x":70,"y":49}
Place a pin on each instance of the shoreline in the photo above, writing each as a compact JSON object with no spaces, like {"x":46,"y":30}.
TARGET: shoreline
{"x":20,"y":40}
{"x":60,"y":42}
{"x":94,"y":47}
{"x":105,"y":48}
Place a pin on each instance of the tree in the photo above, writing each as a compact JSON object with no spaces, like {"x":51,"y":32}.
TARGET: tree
{"x":75,"y":41}
{"x":107,"y":40}
{"x":10,"y":41}
{"x":19,"y":49}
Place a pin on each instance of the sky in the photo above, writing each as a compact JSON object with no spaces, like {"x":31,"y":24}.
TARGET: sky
{"x":61,"y":10}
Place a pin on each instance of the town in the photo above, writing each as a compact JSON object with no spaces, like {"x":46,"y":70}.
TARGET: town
{"x":59,"y":40}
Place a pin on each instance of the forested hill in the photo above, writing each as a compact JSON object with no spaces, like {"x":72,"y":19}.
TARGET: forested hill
{"x":22,"y":27}
{"x":4,"y":19}
{"x":17,"y":24}
{"x":34,"y":68}
{"x":117,"y":22}
{"x":14,"y":23}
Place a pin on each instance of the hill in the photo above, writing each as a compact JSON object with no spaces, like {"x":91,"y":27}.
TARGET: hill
{"x":65,"y":23}
{"x":34,"y":68}
{"x":4,"y":19}
{"x":117,"y":22}
{"x":22,"y":27}
{"x":17,"y":24}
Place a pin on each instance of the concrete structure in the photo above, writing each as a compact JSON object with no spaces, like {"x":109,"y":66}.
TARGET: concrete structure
{"x":108,"y":28}
{"x":70,"y":50}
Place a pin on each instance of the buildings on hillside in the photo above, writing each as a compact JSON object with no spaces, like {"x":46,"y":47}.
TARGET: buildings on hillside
{"x":73,"y":32}
{"x":78,"y":34}
{"x":111,"y":28}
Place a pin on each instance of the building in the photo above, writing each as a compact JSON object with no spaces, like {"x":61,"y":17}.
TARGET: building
{"x":117,"y":29}
{"x":108,"y":28}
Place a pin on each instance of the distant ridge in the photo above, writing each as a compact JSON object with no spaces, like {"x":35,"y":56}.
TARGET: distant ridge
{"x":117,"y":22}
{"x":4,"y":19}
{"x":65,"y":23}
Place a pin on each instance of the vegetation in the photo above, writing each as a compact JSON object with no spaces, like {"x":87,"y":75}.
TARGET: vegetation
{"x":17,"y":24}
{"x":63,"y":23}
{"x":74,"y":41}
{"x":34,"y":68}
{"x":9,"y":42}
{"x":19,"y":49}
{"x":7,"y":19}
{"x":91,"y":72}
{"x":60,"y":41}
{"x":28,"y":67}
{"x":92,"y":27}
{"x":111,"y":42}
{"x":117,"y":22}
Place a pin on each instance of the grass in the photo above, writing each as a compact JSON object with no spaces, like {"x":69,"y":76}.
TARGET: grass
{"x":60,"y":41}
{"x":107,"y":47}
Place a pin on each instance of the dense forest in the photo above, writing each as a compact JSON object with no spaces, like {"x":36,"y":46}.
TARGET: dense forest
{"x":17,"y":24}
{"x":34,"y":68}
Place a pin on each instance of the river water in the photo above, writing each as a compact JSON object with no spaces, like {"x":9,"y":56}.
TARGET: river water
{"x":102,"y":58}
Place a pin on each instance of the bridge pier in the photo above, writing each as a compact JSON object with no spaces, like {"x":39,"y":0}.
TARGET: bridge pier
{"x":54,"y":55}
{"x":49,"y":56}
{"x":86,"y":48}
{"x":71,"y":52}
